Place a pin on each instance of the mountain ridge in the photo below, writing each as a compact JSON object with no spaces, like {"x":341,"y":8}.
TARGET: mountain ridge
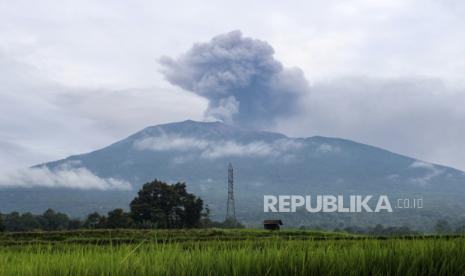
{"x":265,"y":163}
{"x":219,"y":123}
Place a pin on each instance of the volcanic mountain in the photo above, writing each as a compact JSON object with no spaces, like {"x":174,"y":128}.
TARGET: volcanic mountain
{"x":265,"y":163}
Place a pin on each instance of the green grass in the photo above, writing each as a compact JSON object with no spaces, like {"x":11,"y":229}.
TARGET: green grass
{"x":223,"y":252}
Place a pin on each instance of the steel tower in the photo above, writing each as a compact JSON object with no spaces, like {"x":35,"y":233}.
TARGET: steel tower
{"x":231,"y":209}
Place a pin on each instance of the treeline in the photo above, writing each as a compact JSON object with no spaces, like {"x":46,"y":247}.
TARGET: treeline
{"x":51,"y":220}
{"x":442,"y":226}
{"x":378,"y":230}
{"x":381,"y":230}
{"x":157,"y":205}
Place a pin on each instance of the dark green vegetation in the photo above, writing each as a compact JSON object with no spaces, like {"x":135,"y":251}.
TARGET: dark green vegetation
{"x":166,"y":206}
{"x":157,"y":205}
{"x":122,"y":236}
{"x":227,"y":252}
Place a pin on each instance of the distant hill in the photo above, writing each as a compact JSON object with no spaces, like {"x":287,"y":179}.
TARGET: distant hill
{"x":265,"y":163}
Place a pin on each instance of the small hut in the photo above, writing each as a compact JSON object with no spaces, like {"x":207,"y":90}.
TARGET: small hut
{"x":272,"y":224}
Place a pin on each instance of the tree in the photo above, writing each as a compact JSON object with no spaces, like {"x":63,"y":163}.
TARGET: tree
{"x":13,"y":222}
{"x":205,"y":221}
{"x":166,"y":206}
{"x":52,"y":220}
{"x":442,"y":227}
{"x":94,"y":220}
{"x":230,"y":223}
{"x":74,"y":224}
{"x":29,"y":222}
{"x":2,"y":225}
{"x":378,"y":230}
{"x":118,"y":219}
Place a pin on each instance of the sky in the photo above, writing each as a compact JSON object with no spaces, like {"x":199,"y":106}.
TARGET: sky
{"x":76,"y":76}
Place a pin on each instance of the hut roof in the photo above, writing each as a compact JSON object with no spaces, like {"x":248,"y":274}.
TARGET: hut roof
{"x":273,"y":221}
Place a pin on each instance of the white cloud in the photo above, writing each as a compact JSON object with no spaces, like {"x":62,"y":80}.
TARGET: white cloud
{"x":210,"y":149}
{"x":423,"y":165}
{"x":63,"y":177}
{"x":183,"y":159}
{"x":170,"y":142}
{"x":432,"y":171}
{"x":327,"y":148}
{"x":232,"y":148}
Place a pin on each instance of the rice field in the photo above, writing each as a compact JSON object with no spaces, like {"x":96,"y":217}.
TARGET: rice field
{"x":227,"y":252}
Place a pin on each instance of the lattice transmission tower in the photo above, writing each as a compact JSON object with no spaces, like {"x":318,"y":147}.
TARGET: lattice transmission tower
{"x":231,"y":209}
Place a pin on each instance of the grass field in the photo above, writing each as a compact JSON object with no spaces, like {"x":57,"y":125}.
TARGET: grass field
{"x":221,"y":252}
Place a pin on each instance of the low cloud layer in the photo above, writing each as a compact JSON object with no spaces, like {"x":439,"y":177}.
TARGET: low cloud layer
{"x":210,"y":149}
{"x":326,"y":148}
{"x":241,"y":79}
{"x":77,"y":178}
{"x":431,"y":171}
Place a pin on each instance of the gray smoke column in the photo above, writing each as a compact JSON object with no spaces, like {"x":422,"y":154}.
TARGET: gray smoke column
{"x":244,"y":83}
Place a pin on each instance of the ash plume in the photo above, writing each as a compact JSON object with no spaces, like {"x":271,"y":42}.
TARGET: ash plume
{"x":243,"y":82}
